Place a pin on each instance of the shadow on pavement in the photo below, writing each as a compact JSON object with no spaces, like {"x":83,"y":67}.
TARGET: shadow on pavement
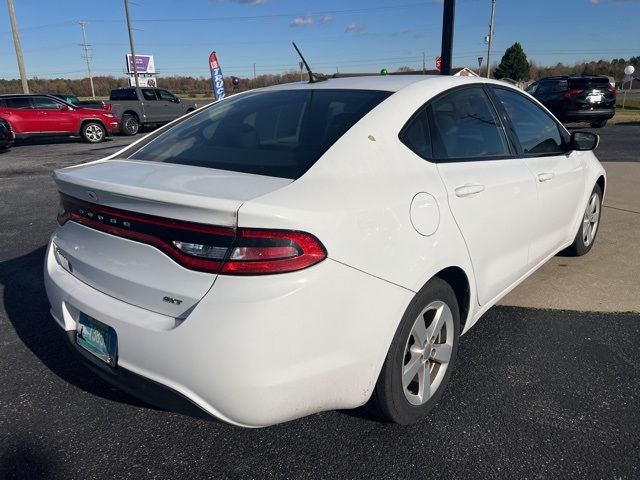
{"x":22,"y":459}
{"x":25,"y":301}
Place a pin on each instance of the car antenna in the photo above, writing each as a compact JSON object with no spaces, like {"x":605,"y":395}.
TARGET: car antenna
{"x":312,"y":76}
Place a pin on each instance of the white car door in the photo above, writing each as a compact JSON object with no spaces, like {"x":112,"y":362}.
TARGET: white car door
{"x":560,"y":175}
{"x":491,"y":192}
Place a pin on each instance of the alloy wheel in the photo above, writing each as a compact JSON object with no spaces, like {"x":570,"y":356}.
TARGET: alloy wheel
{"x":427,"y":353}
{"x":591,"y":219}
{"x":93,"y":132}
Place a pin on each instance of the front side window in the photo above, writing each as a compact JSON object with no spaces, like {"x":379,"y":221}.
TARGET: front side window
{"x":45,"y":103}
{"x":164,"y":95}
{"x":277,"y":133}
{"x":536,"y":131}
{"x":465,"y":125}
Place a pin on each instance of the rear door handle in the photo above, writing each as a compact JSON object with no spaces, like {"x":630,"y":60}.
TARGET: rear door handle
{"x":469,"y":190}
{"x":545,"y":176}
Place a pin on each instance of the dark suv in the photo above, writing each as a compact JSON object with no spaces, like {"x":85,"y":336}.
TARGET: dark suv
{"x":577,"y":99}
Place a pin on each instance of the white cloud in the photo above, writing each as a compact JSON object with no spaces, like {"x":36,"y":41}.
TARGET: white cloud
{"x":355,"y":28}
{"x":250,"y":2}
{"x":304,"y":21}
{"x":325,"y":19}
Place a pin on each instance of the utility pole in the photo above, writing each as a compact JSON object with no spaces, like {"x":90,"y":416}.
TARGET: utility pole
{"x":424,"y":66}
{"x":493,"y":11}
{"x":254,"y":72}
{"x":16,"y":43}
{"x":85,"y":47}
{"x":448,"y":18}
{"x":133,"y":52}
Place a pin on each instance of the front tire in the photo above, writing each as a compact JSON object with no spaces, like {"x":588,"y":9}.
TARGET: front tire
{"x":421,"y":356}
{"x":129,"y":125}
{"x":93,"y":132}
{"x":588,"y":230}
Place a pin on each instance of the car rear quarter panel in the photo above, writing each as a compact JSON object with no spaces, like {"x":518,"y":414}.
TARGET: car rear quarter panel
{"x":356,"y":199}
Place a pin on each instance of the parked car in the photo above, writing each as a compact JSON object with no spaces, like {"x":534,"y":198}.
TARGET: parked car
{"x":577,"y":99}
{"x":6,"y":135}
{"x":76,"y":102}
{"x":44,"y":115}
{"x":136,"y":107}
{"x":307,"y":247}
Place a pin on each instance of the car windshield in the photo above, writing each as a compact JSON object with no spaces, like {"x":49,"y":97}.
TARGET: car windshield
{"x":277,"y":133}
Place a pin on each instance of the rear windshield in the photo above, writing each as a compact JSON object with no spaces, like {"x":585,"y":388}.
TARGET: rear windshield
{"x":279,"y":134}
{"x":123,"y":94}
{"x":584,"y":83}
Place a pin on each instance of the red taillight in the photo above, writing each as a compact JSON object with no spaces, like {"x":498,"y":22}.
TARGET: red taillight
{"x":200,"y":247}
{"x":106,"y":107}
{"x":572,"y":93}
{"x":612,"y":91}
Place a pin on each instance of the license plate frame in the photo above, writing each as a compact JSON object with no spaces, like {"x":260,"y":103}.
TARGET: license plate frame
{"x":97,"y":338}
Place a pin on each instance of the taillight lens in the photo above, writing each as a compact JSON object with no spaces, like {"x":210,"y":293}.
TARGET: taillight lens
{"x":106,"y":107}
{"x":205,"y":248}
{"x":612,"y":91}
{"x":573,"y":92}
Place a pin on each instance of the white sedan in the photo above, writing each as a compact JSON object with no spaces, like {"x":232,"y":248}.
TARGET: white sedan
{"x":319,"y":246}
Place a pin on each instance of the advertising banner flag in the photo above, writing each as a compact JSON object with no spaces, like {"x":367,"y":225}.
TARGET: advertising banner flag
{"x":217,"y":80}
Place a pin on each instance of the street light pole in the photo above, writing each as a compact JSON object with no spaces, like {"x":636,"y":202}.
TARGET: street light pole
{"x":133,"y":52}
{"x":16,"y":43}
{"x":493,"y":11}
{"x":448,"y":17}
{"x":85,"y":47}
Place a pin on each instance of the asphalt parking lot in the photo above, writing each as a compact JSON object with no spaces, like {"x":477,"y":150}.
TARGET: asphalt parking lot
{"x":537,"y":392}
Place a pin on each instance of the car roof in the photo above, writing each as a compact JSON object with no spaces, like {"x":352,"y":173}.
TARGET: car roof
{"x":389,"y":83}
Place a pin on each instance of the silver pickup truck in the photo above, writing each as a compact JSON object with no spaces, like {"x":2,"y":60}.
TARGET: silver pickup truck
{"x":146,"y":106}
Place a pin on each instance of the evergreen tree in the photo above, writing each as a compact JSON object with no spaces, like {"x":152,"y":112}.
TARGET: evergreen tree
{"x":514,"y":64}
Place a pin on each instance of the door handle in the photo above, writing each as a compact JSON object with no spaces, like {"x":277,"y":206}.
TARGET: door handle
{"x":545,"y":176}
{"x":469,"y":190}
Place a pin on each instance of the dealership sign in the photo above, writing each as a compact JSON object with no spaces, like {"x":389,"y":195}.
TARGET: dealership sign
{"x":144,"y":64}
{"x":143,"y":82}
{"x":217,"y":80}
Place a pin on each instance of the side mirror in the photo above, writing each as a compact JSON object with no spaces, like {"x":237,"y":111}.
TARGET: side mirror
{"x":177,"y":100}
{"x":584,"y":141}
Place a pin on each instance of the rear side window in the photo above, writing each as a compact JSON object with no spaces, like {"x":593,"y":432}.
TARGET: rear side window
{"x":416,"y":135}
{"x":536,"y":131}
{"x":123,"y":94}
{"x":149,"y":94}
{"x":277,"y":133}
{"x":465,"y":125}
{"x":23,"y":102}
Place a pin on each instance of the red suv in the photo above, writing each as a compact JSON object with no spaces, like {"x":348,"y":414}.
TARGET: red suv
{"x":43,"y":115}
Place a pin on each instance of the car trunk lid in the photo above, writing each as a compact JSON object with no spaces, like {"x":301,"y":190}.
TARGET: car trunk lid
{"x":127,"y":215}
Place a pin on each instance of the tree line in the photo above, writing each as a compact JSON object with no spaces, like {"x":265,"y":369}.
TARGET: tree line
{"x":514,"y":64}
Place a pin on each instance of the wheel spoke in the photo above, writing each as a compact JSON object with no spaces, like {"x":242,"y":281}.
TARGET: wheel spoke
{"x":424,"y":383}
{"x":411,"y":369}
{"x":438,"y":321}
{"x":442,"y":353}
{"x":419,"y":331}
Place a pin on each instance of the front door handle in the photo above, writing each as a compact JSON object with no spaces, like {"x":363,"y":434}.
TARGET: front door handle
{"x":469,"y":190}
{"x":545,"y":176}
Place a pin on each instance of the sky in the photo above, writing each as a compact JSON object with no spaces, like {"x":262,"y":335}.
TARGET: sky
{"x":334,"y":35}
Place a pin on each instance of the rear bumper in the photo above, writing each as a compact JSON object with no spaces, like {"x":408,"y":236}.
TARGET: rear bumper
{"x":254,"y":351}
{"x":588,"y":115}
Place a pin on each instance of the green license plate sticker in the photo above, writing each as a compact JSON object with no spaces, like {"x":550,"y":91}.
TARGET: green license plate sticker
{"x":97,"y":338}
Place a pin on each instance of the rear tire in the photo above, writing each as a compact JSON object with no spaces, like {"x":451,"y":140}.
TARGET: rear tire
{"x":129,"y":125}
{"x":93,"y":132}
{"x":598,"y":124}
{"x":426,"y":342}
{"x":586,"y":236}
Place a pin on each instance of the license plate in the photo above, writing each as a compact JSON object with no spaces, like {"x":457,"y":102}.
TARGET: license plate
{"x":97,"y":338}
{"x":595,"y":98}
